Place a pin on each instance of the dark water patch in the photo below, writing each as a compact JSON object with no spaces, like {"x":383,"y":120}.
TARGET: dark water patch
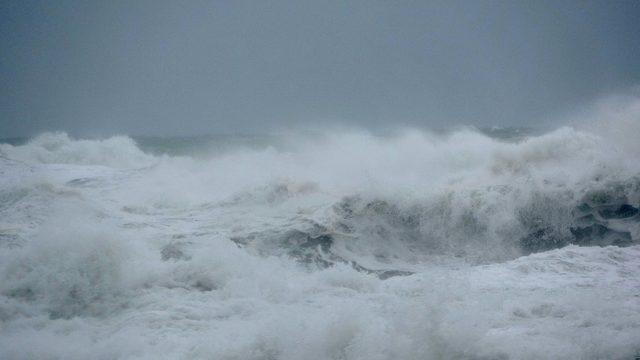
{"x":175,"y":251}
{"x":82,"y":182}
{"x":202,"y":146}
{"x":15,"y":141}
{"x":542,"y":240}
{"x":618,"y":212}
{"x":22,"y":293}
{"x":381,"y":274}
{"x":10,"y":240}
{"x":308,"y":247}
{"x":596,"y":222}
{"x":204,"y":286}
{"x":600,"y":235}
{"x":313,"y":249}
{"x":510,"y":134}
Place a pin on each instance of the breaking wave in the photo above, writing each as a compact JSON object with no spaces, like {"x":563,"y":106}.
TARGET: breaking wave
{"x":340,"y":245}
{"x":59,"y":148}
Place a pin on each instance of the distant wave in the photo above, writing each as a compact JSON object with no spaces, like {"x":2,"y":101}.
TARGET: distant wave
{"x":59,"y":148}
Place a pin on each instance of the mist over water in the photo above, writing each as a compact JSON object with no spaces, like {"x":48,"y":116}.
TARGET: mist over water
{"x":319,"y":180}
{"x":342,"y":244}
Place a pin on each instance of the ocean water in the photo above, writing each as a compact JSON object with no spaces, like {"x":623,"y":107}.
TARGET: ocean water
{"x":463,"y":244}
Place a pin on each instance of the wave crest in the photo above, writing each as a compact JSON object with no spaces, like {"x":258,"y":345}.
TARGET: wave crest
{"x":60,"y":148}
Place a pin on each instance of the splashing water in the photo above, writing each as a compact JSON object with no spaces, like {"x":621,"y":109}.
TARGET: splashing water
{"x":340,"y":245}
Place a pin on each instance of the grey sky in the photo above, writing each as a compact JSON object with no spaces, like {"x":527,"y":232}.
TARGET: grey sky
{"x":193,"y":67}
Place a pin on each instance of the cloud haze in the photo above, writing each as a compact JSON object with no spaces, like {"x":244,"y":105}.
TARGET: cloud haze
{"x":160,"y":67}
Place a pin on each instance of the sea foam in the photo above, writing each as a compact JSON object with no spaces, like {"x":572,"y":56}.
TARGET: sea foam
{"x":340,"y":245}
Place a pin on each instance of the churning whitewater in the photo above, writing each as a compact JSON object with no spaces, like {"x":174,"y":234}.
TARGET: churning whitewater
{"x":340,"y":245}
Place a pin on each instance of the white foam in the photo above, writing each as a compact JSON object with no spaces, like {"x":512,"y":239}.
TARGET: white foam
{"x":125,"y":255}
{"x":59,"y":148}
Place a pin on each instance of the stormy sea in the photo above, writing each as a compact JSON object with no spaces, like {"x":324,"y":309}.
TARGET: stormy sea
{"x":458,"y":244}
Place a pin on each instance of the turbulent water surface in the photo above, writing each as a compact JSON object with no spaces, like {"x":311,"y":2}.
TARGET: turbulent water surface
{"x":343,"y":245}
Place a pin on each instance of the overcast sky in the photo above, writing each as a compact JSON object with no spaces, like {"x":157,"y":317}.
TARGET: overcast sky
{"x":195,"y":67}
